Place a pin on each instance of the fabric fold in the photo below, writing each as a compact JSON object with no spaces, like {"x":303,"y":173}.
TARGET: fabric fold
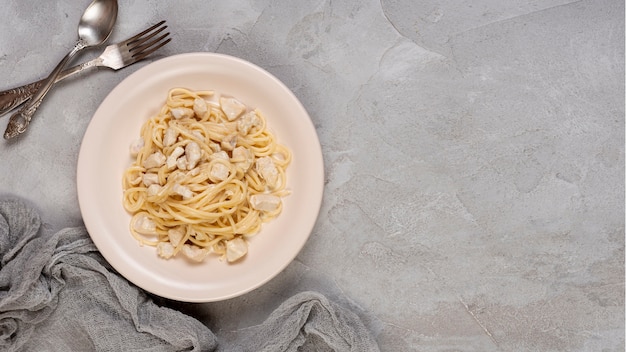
{"x":57,"y":293}
{"x":308,"y":321}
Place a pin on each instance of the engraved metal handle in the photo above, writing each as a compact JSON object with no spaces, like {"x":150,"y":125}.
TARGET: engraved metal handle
{"x":11,"y":98}
{"x":21,"y":119}
{"x":14,"y":97}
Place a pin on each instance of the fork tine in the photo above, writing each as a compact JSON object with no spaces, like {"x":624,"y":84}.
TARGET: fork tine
{"x":148,"y":48}
{"x":137,"y":42}
{"x":133,"y":38}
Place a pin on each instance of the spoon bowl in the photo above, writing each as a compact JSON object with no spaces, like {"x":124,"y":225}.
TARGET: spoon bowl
{"x":97,"y":22}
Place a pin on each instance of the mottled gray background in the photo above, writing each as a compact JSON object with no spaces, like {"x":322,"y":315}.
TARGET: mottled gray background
{"x":474,"y":155}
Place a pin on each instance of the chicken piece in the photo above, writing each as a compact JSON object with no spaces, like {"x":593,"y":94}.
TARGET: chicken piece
{"x":144,"y":225}
{"x":268,"y":171}
{"x":264,"y":202}
{"x":231,"y":107}
{"x":150,"y":179}
{"x":175,"y":176}
{"x":229,"y":142}
{"x":193,"y":154}
{"x":236,"y":249}
{"x":136,"y":146}
{"x":173,"y":157}
{"x":220,"y":155}
{"x":200,"y":107}
{"x":170,"y":136}
{"x":181,"y":163}
{"x":156,"y":159}
{"x":219,"y":172}
{"x":194,"y":253}
{"x":165,"y":250}
{"x":182,"y":190}
{"x":242,"y":157}
{"x":247,"y":121}
{"x":154,"y":189}
{"x":176,"y":235}
{"x":182,"y":113}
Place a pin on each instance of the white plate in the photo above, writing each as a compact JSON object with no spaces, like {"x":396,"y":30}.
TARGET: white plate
{"x":104,"y":157}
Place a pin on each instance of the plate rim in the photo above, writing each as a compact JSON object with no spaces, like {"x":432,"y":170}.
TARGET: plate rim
{"x":90,"y":221}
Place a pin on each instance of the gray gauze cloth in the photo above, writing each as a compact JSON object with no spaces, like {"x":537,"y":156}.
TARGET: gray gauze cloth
{"x":57,"y":293}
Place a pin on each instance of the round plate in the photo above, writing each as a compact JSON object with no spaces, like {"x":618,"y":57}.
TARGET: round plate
{"x":104,"y":155}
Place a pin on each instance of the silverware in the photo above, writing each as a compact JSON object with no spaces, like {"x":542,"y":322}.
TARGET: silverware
{"x":115,"y":56}
{"x":94,"y":28}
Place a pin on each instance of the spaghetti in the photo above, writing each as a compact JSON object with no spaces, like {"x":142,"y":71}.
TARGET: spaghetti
{"x":207,"y":173}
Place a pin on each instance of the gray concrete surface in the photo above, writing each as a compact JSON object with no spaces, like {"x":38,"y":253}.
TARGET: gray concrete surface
{"x":474,"y":153}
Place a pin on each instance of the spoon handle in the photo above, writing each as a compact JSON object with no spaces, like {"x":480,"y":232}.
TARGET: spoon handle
{"x":18,"y":123}
{"x":11,"y":98}
{"x":14,"y":97}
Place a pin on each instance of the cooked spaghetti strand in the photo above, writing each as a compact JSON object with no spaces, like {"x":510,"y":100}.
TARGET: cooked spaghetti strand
{"x":207,"y":173}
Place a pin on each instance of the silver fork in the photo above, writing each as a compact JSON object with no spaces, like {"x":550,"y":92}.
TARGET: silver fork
{"x":115,"y":56}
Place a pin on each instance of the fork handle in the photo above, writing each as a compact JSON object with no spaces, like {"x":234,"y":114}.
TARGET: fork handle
{"x":18,"y":123}
{"x":11,"y":98}
{"x":14,"y":97}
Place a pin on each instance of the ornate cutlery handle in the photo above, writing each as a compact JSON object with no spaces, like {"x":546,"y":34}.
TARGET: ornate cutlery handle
{"x":11,"y":98}
{"x":21,"y":119}
{"x":14,"y":97}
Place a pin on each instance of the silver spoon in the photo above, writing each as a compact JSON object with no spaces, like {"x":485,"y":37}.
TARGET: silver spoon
{"x":94,"y":28}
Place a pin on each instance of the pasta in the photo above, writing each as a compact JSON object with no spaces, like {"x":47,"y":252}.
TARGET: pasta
{"x":207,"y":173}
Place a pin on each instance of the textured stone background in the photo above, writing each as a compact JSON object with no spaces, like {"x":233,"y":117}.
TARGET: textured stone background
{"x":474,"y":156}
